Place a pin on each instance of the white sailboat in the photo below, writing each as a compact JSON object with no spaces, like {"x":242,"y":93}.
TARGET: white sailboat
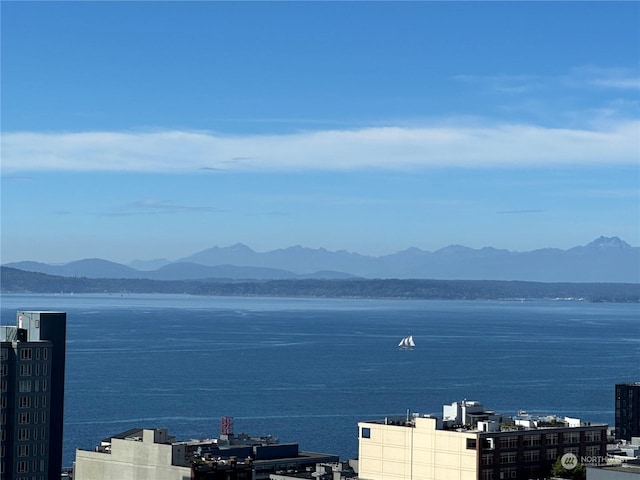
{"x":407,"y":343}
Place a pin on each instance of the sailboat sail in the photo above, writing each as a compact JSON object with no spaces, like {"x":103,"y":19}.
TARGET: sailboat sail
{"x":407,"y":343}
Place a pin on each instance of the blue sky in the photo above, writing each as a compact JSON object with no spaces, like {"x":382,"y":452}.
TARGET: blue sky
{"x":157,"y":129}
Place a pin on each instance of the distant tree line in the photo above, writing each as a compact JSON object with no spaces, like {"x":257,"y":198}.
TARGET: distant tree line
{"x":19,"y":281}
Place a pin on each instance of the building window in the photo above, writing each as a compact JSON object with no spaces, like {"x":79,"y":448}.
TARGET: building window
{"x":24,"y":417}
{"x":44,"y":369}
{"x":25,"y":354}
{"x":24,"y":386}
{"x":471,"y":443}
{"x":23,"y":450}
{"x":508,"y":457}
{"x":37,"y":369}
{"x":552,"y":454}
{"x":487,"y":475}
{"x":508,"y":473}
{"x":509,"y":442}
{"x":592,"y":436}
{"x":571,"y":437}
{"x":592,"y":450}
{"x":4,"y":353}
{"x":44,"y":417}
{"x":551,"y":439}
{"x":4,"y":368}
{"x":23,"y":466}
{"x":3,"y":385}
{"x":487,"y":443}
{"x":574,"y":450}
{"x":3,"y":418}
{"x":37,"y":354}
{"x":366,"y":432}
{"x":487,"y":459}
{"x":45,"y":353}
{"x":531,"y":455}
{"x":23,"y":434}
{"x":44,"y":385}
{"x":3,"y":402}
{"x":531,"y":440}
{"x":25,"y":370}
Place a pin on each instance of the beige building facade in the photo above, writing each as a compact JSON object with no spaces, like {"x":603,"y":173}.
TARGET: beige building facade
{"x":469,"y":443}
{"x":144,"y":457}
{"x":151,"y":454}
{"x":392,"y":451}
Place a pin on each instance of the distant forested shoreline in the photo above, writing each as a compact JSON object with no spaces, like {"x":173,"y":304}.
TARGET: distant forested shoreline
{"x":20,"y":281}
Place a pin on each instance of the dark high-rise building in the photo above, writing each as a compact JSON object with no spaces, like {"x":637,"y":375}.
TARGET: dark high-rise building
{"x":32,"y":364}
{"x":627,"y":410}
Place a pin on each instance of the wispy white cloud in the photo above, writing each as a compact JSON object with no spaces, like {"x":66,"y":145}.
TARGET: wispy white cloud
{"x":515,"y":84}
{"x":156,"y":207}
{"x":599,"y":193}
{"x":580,"y":77}
{"x":399,"y":148}
{"x":16,"y":178}
{"x":623,"y":83}
{"x":521,"y":212}
{"x":610,"y":78}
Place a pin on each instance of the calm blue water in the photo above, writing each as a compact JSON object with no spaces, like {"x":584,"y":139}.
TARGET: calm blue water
{"x":307,"y":370}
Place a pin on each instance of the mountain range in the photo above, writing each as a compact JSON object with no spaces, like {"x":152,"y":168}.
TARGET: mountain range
{"x":604,"y":260}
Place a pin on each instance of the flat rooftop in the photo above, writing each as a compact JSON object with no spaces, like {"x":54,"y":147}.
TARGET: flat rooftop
{"x":471,"y":416}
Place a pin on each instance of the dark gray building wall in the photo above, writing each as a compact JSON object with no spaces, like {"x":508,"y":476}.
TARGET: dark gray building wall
{"x":53,"y":327}
{"x":627,"y":410}
{"x":7,"y":409}
{"x":32,"y":369}
{"x":557,"y":441}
